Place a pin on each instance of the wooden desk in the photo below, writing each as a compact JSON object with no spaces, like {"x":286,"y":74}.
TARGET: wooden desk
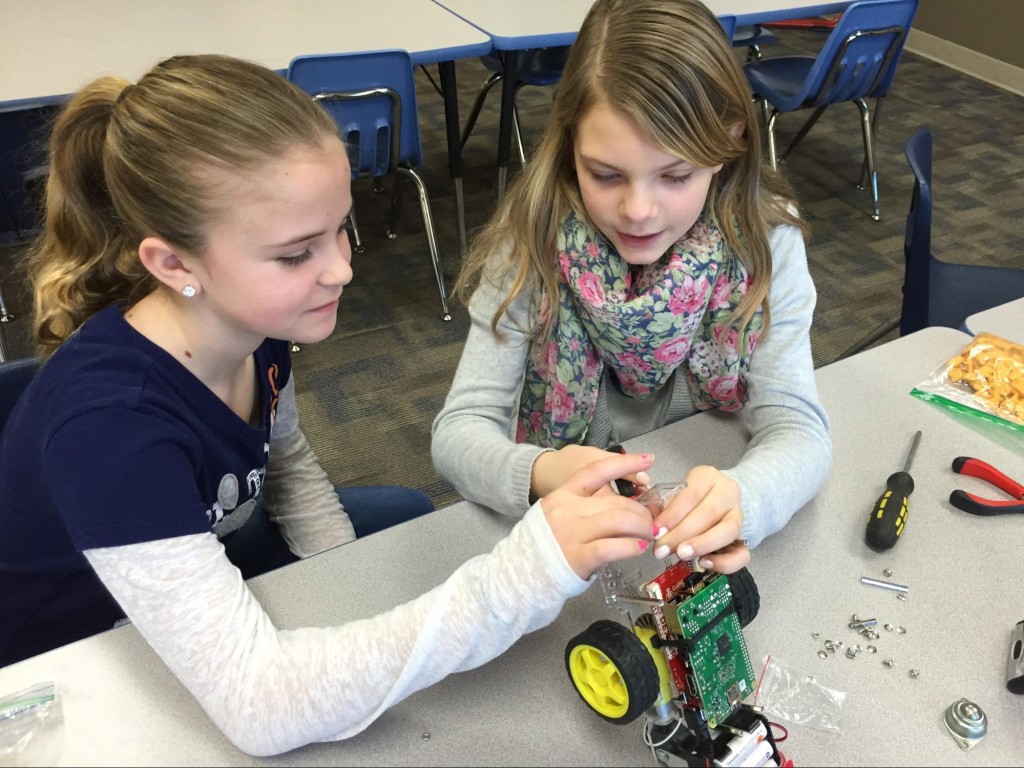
{"x":524,"y":24}
{"x":123,"y":707}
{"x":1006,"y":320}
{"x":53,"y":47}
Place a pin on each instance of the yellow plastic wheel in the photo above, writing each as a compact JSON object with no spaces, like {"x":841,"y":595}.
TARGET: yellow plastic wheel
{"x":612,"y":671}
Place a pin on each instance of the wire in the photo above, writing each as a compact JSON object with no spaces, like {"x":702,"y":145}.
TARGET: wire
{"x":647,"y":733}
{"x":785,"y":731}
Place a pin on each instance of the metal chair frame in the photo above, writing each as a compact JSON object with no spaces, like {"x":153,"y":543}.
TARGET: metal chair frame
{"x":395,"y":167}
{"x":867,"y":124}
{"x":530,"y":73}
{"x":856,"y":63}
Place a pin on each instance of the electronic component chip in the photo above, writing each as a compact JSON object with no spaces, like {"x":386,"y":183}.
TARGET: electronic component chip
{"x":718,"y":654}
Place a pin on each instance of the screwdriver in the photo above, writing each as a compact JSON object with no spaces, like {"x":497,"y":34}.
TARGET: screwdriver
{"x":889,"y":515}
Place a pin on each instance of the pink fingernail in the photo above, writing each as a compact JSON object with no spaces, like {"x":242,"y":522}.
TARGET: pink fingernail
{"x":656,"y":531}
{"x":643,"y":544}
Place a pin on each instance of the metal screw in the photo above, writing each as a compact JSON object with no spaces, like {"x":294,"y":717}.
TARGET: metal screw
{"x":901,"y":595}
{"x":888,"y":662}
{"x":815,"y":635}
{"x":872,"y":649}
{"x":887,"y":572}
{"x":889,"y":627}
{"x":426,"y":737}
{"x":862,"y":623}
{"x":901,"y":631}
{"x":822,"y":655}
{"x":914,"y":673}
{"x":855,"y":617}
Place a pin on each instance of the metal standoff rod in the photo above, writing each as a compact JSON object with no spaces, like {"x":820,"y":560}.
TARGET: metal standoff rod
{"x":884,"y":584}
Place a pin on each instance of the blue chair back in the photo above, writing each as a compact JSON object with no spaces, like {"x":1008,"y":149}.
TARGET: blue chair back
{"x":859,"y":58}
{"x":23,"y":167}
{"x":15,"y":375}
{"x":729,"y":25}
{"x":372,"y":97}
{"x":938,"y":292}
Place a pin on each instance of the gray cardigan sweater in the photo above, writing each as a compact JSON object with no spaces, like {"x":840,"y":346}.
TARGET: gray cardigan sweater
{"x":788,"y":454}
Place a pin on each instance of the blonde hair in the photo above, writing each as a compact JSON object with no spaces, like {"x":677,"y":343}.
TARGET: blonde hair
{"x":668,"y":66}
{"x":132,"y":161}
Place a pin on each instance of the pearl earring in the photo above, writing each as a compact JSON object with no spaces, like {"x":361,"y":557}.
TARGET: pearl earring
{"x":188,"y":291}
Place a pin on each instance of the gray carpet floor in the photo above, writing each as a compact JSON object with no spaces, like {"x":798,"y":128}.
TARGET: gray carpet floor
{"x":368,"y":394}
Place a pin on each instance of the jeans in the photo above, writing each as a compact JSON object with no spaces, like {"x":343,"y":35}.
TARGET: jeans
{"x":258,"y":547}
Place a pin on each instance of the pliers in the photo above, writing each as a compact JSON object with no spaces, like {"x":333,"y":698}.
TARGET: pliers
{"x":968,"y":502}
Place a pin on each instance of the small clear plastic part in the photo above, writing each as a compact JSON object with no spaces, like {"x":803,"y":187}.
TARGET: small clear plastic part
{"x":658,"y":496}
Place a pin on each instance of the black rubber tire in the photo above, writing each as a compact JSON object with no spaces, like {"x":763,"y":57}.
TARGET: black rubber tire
{"x":745,"y":596}
{"x":630,"y":659}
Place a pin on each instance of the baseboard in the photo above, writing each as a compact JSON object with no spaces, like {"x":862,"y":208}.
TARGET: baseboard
{"x":993,"y":71}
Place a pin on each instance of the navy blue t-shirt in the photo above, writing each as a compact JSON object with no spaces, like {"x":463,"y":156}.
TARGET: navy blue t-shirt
{"x":113,"y":443}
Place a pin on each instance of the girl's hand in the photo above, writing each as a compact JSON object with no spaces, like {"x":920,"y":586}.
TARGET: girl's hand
{"x":704,"y":520}
{"x":592,"y":527}
{"x":552,"y":469}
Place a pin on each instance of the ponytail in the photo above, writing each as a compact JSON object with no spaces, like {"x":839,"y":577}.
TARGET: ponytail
{"x":82,"y":262}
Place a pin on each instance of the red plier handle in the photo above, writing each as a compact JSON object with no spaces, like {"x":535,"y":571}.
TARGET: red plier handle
{"x":976,"y":505}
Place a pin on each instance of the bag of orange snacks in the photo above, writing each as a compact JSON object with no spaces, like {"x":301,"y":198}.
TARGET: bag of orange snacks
{"x":985,"y":379}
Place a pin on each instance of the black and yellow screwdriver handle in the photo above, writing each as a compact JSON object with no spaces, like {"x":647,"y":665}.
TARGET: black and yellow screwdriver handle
{"x":889,"y":515}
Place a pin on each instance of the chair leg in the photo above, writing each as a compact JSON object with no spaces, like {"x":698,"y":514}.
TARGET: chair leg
{"x":804,"y":129}
{"x":770,"y":114}
{"x":869,"y":155}
{"x":5,"y":317}
{"x":354,"y":229}
{"x":474,"y":113}
{"x":874,"y":134}
{"x":396,"y":205}
{"x":428,"y":226}
{"x":518,"y":135}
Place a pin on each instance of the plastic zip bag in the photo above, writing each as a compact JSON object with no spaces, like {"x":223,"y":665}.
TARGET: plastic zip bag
{"x":796,"y":698}
{"x":30,"y":724}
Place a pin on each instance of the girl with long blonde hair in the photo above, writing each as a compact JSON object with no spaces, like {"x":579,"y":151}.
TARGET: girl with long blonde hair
{"x":644,"y":266}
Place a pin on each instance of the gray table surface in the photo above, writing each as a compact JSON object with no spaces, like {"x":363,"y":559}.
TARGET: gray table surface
{"x":121,"y":706}
{"x":1006,"y":320}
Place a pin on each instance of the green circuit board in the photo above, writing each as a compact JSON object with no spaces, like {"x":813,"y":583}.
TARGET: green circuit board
{"x":719,"y":661}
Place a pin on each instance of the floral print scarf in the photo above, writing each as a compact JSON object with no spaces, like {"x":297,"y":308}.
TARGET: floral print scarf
{"x":643,"y":323}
